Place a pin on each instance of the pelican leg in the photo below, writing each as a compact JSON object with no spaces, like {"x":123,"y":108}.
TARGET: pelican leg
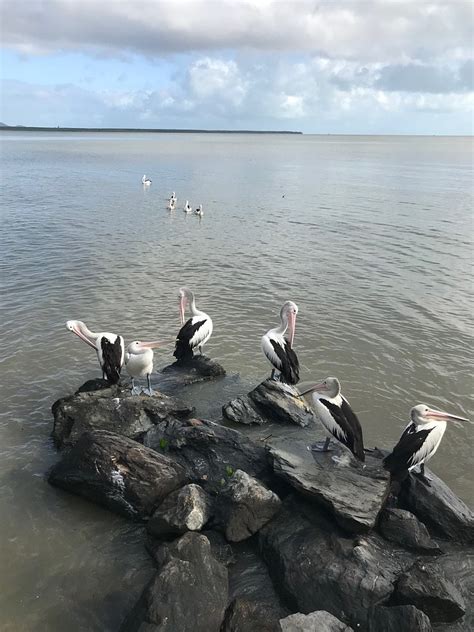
{"x":200,"y":349}
{"x":136,"y":390}
{"x":321,"y":446}
{"x":422,"y":476}
{"x":150,"y":390}
{"x":272,"y":376}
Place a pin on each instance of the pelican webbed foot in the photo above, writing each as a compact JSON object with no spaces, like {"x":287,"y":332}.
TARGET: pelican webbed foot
{"x":321,"y":446}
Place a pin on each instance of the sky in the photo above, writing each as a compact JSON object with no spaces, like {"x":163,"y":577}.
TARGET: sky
{"x":317,"y":66}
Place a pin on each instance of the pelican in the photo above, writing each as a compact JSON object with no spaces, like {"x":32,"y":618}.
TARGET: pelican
{"x":335,"y":413}
{"x":277,"y":345}
{"x":199,"y":211}
{"x":195,"y":332}
{"x":419,"y":442}
{"x":110,"y":348}
{"x":173,"y":197}
{"x":187,"y":207}
{"x":172,"y":204}
{"x":139,"y":362}
{"x":146,"y":181}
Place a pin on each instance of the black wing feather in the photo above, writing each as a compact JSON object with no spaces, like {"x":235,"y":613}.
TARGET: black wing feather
{"x":398,"y":462}
{"x":290,"y":367}
{"x":347,"y":419}
{"x":111,"y":358}
{"x":183,"y":349}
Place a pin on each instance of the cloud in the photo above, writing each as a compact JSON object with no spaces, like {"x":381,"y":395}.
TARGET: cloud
{"x":425,"y":78}
{"x":386,"y":31}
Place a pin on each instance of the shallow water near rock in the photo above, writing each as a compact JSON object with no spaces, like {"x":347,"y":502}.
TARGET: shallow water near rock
{"x":372,"y":241}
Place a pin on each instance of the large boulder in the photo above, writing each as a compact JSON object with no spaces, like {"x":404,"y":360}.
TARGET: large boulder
{"x":189,"y":592}
{"x":353,"y":493}
{"x":317,"y":567}
{"x":208,"y":451}
{"x":118,"y":473}
{"x":320,"y":621}
{"x":245,"y":505}
{"x":199,"y":368}
{"x":271,"y":401}
{"x":402,"y":527}
{"x":438,"y":507}
{"x":112,"y":408}
{"x":186,"y":509}
{"x":399,"y":619}
{"x":426,"y":587}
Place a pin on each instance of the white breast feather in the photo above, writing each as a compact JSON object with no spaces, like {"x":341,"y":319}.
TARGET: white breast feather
{"x":269,"y":351}
{"x":204,"y":332}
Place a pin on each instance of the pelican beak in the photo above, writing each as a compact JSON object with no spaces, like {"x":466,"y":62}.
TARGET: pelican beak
{"x":291,"y":327}
{"x":320,"y":386}
{"x":154,"y":344}
{"x":78,"y":332}
{"x":182,"y":305}
{"x":439,"y":414}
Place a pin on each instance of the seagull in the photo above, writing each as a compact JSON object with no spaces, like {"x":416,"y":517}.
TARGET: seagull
{"x":419,"y":442}
{"x":199,"y":211}
{"x":139,"y":362}
{"x":146,"y":181}
{"x":110,"y":348}
{"x":187,"y":207}
{"x":277,"y":345}
{"x":195,"y":332}
{"x":172,"y":204}
{"x":335,"y":413}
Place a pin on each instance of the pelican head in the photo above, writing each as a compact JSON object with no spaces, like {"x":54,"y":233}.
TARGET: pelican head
{"x":185,"y":297}
{"x":423,"y":414}
{"x":82,"y":331}
{"x":137,"y":347}
{"x":288,"y":316}
{"x":330,"y":386}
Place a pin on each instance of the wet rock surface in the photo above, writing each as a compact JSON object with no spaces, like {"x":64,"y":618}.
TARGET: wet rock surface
{"x":118,"y":473}
{"x":353,"y":493}
{"x":245,"y":505}
{"x":320,"y":621}
{"x":399,"y":619}
{"x":189,"y":592}
{"x":200,"y":368}
{"x":402,"y":527}
{"x":271,"y":401}
{"x":111,"y":408}
{"x":186,"y":509}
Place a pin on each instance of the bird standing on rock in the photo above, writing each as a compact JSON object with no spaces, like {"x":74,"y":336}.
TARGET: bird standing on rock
{"x":277,"y":345}
{"x":419,"y":442}
{"x":336,"y":415}
{"x":195,"y":332}
{"x":139,"y":362}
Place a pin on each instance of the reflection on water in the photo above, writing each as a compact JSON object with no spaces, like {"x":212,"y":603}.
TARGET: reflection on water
{"x":371,"y":237}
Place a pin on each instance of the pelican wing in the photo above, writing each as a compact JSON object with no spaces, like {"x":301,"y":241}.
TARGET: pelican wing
{"x":282,"y":357}
{"x":407,"y":452}
{"x":191,"y":335}
{"x":112,"y":358}
{"x":349,"y":431}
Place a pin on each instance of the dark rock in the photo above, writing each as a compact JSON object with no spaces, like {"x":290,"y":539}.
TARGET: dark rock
{"x":352,"y":492}
{"x":245,"y":505}
{"x":438,"y":507}
{"x":426,"y":587}
{"x":198,"y":369}
{"x":271,"y":401}
{"x":96,"y":384}
{"x":114,"y":409}
{"x":402,"y":527}
{"x":208,"y":451}
{"x":188,"y":593}
{"x":399,"y":619}
{"x":249,"y":615}
{"x":316,"y":567}
{"x":186,"y":509}
{"x":118,"y":473}
{"x":320,"y":621}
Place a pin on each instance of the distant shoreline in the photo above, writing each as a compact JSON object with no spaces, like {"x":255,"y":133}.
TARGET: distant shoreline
{"x":25,"y":128}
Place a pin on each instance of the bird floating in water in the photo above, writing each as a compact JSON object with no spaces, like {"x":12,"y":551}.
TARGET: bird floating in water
{"x":109,"y":347}
{"x":187,"y":207}
{"x":173,"y":196}
{"x":146,"y":181}
{"x":139,"y":362}
{"x":419,"y":442}
{"x":195,"y":332}
{"x":172,"y":204}
{"x":277,"y":345}
{"x":199,"y":211}
{"x":336,"y":415}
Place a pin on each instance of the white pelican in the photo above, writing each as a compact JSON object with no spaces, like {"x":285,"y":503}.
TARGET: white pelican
{"x":187,"y":207}
{"x":199,"y":211}
{"x":172,"y":204}
{"x":419,"y":442}
{"x":110,"y":348}
{"x":277,"y":345}
{"x":146,"y":181}
{"x":335,"y":413}
{"x":139,"y":362}
{"x":173,"y":197}
{"x":195,"y":332}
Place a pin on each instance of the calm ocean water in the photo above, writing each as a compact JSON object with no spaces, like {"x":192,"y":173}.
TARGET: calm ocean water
{"x":370,"y":236}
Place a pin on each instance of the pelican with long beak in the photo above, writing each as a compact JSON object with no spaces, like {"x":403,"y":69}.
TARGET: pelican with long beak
{"x":110,"y":348}
{"x":277,"y":345}
{"x":336,"y":415}
{"x":419,"y":442}
{"x":195,"y":332}
{"x":146,"y":181}
{"x":139,"y":362}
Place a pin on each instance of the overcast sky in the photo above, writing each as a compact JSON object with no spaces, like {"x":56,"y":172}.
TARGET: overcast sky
{"x":332,"y":66}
